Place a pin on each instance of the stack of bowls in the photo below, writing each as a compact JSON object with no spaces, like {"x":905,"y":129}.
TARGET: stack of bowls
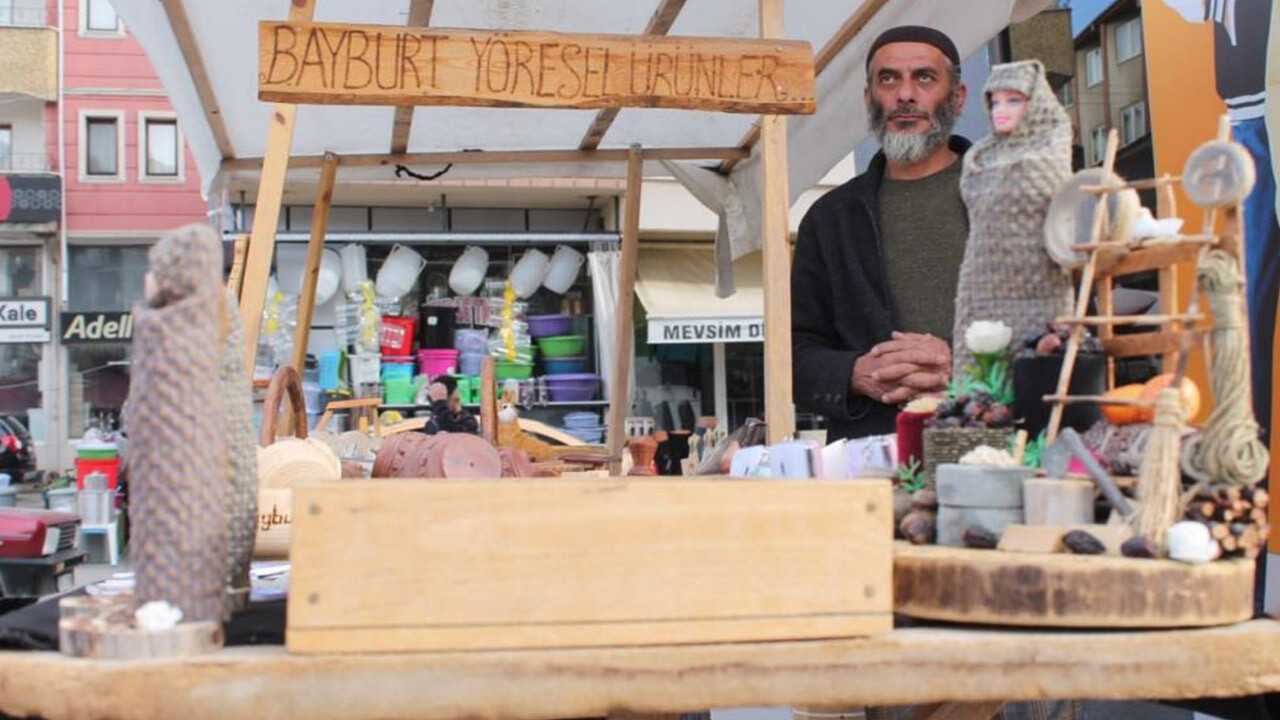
{"x":585,"y":426}
{"x":472,"y":345}
{"x":573,"y":387}
{"x":397,"y":381}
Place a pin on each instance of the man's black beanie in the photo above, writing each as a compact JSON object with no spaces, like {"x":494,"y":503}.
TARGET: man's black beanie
{"x":916,"y":34}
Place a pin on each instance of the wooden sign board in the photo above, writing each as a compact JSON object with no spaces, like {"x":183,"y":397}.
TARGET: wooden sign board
{"x":330,"y":63}
{"x":415,"y":565}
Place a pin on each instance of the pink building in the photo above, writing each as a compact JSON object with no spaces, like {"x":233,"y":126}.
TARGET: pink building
{"x":99,"y":123}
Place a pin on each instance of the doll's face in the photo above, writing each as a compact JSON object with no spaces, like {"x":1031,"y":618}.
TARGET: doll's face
{"x":1007,"y":109}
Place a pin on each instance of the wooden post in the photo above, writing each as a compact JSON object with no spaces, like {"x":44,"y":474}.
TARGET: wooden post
{"x":624,"y":327}
{"x":489,"y":399}
{"x":266,"y":211}
{"x":779,"y":408}
{"x":315,"y":248}
{"x":1167,"y":207}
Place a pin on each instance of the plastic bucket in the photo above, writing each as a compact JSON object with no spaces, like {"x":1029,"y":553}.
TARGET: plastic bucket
{"x":563,"y":269}
{"x":529,"y":272}
{"x":399,"y":272}
{"x":470,"y":363}
{"x":467,"y":274}
{"x":355,"y":267}
{"x":437,"y":362}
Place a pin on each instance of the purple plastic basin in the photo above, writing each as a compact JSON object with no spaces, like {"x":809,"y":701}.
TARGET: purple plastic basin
{"x":549,"y":325}
{"x":576,"y":387}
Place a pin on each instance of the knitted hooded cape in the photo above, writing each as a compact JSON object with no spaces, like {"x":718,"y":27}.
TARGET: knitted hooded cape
{"x":1007,"y":183}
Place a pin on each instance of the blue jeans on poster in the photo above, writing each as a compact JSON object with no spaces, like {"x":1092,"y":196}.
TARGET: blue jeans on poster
{"x":1262,"y":263}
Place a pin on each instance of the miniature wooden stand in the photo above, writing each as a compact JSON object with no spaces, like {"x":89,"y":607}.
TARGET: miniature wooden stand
{"x":97,"y":627}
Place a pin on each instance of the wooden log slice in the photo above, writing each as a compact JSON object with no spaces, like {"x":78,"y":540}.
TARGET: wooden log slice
{"x":462,"y":456}
{"x":996,"y":588}
{"x":400,"y":454}
{"x":515,"y":463}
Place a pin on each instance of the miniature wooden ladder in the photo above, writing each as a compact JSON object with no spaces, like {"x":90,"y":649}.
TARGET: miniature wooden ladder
{"x":1108,"y":259}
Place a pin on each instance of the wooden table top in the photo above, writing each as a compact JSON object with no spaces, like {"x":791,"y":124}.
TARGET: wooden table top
{"x":907,"y":666}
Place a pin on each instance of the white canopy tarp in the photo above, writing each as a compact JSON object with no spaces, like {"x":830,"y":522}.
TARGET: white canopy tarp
{"x":226,"y":38}
{"x":682,"y":307}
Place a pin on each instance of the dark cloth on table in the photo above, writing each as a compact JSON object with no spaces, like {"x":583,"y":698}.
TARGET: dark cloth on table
{"x":36,"y":627}
{"x":842,"y":304}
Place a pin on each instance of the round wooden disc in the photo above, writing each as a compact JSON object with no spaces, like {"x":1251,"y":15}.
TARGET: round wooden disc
{"x":1219,"y":172}
{"x":990,"y":587}
{"x":1069,"y":219}
{"x":401,"y":455}
{"x":464,"y":456}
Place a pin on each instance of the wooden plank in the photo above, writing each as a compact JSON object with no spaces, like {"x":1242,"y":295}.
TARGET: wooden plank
{"x":400,"y":566}
{"x":659,"y":24}
{"x":500,"y":157}
{"x":194,"y":59}
{"x":1161,"y":343}
{"x":305,"y":62}
{"x":957,"y":711}
{"x":1106,"y":308}
{"x":419,"y":16}
{"x":266,"y":216}
{"x":624,"y":326}
{"x":489,"y":399}
{"x":1079,"y":591}
{"x":1151,"y":258}
{"x":775,"y":200}
{"x":858,"y":20}
{"x":947,"y":665}
{"x":1167,"y":207}
{"x":311,"y":274}
{"x":1108,"y":320}
{"x":239,"y":252}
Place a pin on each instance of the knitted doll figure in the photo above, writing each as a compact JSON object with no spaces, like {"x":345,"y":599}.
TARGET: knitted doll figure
{"x":1008,"y":180}
{"x":180,"y":489}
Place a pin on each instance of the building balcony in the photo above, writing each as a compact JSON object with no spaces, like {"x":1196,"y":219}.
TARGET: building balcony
{"x":27,"y":163}
{"x":29,"y":56}
{"x":27,"y":13}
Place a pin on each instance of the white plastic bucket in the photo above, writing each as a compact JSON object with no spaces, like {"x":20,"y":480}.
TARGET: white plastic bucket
{"x":355,"y":267}
{"x":563,"y":270}
{"x":468,"y":272}
{"x":329,"y":276}
{"x":398,"y":273}
{"x":528,"y":273}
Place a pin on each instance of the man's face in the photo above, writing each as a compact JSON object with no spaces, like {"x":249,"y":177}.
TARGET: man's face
{"x":912,"y":100}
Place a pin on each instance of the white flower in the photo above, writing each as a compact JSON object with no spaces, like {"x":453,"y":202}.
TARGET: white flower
{"x":984,"y":337}
{"x":157,"y":615}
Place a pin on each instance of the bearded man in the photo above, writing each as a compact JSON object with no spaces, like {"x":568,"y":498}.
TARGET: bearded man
{"x":873,"y":284}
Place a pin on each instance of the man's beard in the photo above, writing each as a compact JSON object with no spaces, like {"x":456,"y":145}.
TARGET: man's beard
{"x":909,"y":148}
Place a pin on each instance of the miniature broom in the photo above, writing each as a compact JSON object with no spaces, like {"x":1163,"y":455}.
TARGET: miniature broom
{"x":1159,"y":478}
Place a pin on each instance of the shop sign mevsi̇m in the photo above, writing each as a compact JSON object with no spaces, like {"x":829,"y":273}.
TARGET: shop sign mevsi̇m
{"x":24,"y":320}
{"x":84,"y":328}
{"x":665,"y":330}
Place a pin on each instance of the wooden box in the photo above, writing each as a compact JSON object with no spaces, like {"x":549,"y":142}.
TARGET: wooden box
{"x":416,"y":565}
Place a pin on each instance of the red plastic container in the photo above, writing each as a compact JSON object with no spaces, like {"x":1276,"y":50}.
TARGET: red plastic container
{"x":910,"y":427}
{"x":397,"y":335}
{"x":109,"y":467}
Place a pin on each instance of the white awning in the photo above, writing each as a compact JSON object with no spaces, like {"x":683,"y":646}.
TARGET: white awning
{"x":222,"y":45}
{"x":680,"y":300}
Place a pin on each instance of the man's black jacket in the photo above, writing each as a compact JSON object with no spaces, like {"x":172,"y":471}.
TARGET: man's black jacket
{"x":841,"y":305}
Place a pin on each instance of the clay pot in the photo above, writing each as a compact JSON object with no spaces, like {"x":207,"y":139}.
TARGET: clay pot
{"x":642,"y":451}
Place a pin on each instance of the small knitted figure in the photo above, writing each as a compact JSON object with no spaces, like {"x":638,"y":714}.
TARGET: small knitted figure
{"x":1008,"y":180}
{"x":178,"y":443}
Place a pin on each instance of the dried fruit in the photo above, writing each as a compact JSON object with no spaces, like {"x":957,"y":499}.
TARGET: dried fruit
{"x":1082,"y":543}
{"x":1138,"y":547}
{"x":980,"y":538}
{"x":919,"y":527}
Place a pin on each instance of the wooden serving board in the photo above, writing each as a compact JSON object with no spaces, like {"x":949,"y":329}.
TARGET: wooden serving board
{"x":418,"y":565}
{"x":991,"y":587}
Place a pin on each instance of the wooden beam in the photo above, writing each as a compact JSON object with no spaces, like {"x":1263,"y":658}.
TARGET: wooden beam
{"x":779,"y":408}
{"x":266,"y":216}
{"x":1167,"y":207}
{"x":190,"y":49}
{"x":498,"y":157}
{"x":532,"y":69}
{"x":315,"y":248}
{"x":842,"y":37}
{"x":624,"y":326}
{"x":957,"y":711}
{"x":663,"y":18}
{"x":419,"y":16}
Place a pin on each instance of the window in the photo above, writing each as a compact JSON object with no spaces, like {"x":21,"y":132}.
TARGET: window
{"x":1129,"y":40}
{"x":1066,"y":94}
{"x":98,"y":16}
{"x":1099,"y":142}
{"x":1093,"y":67}
{"x":160,"y":148}
{"x":1133,"y":122}
{"x":6,"y":147}
{"x":102,"y":151}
